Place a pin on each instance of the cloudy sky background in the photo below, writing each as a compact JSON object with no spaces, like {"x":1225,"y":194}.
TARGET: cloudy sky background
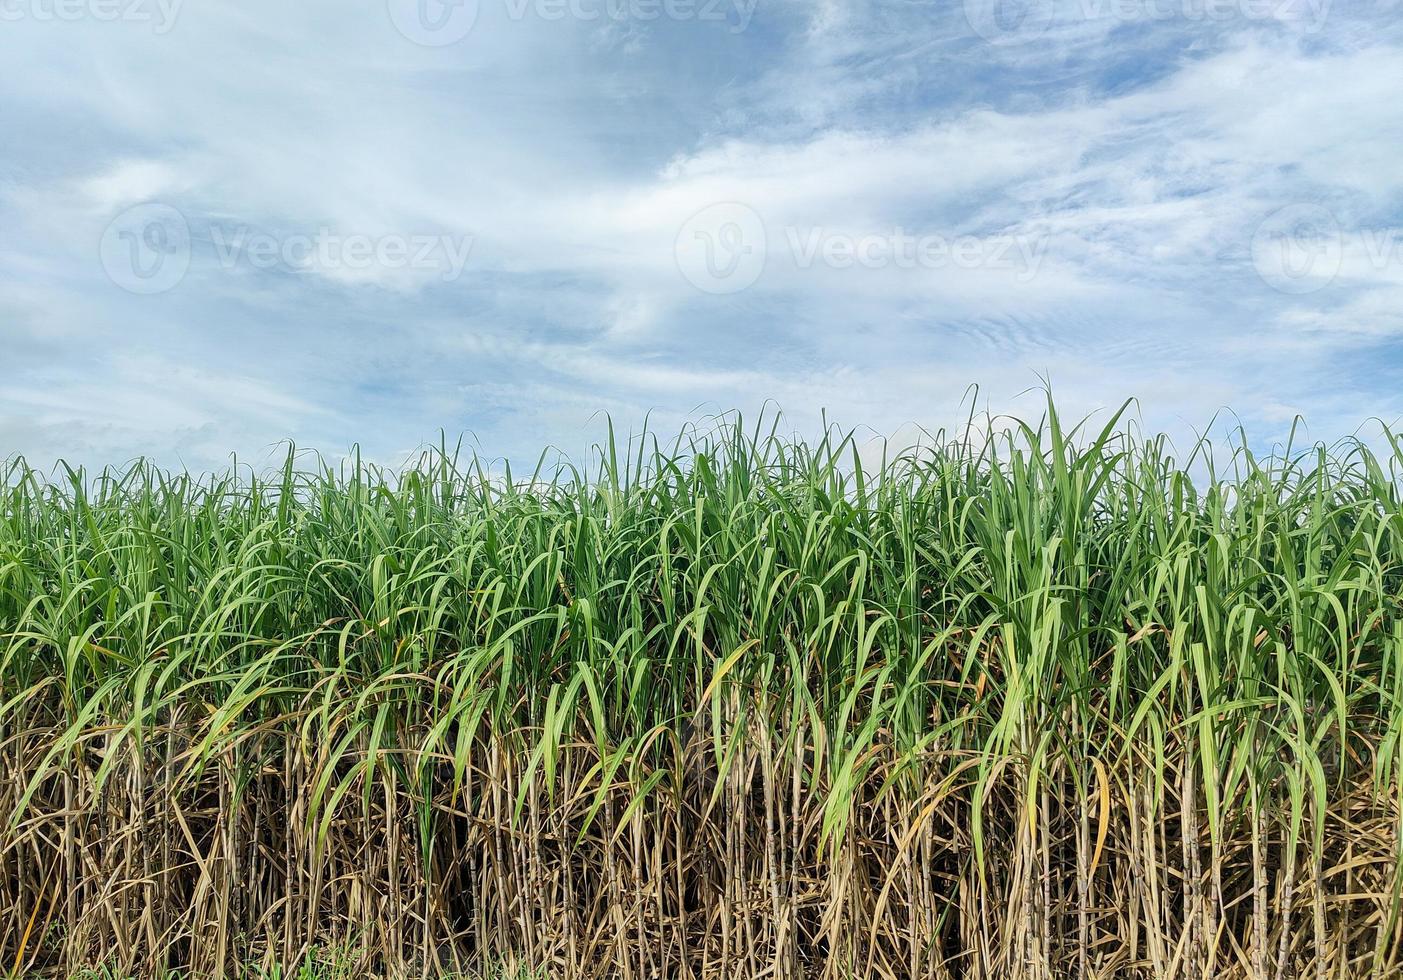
{"x":612,"y":206}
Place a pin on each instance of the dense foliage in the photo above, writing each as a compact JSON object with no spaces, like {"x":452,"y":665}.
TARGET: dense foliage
{"x":1032,"y":705}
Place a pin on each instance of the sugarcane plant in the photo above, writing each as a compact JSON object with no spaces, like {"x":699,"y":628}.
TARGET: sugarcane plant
{"x":1022,"y":700}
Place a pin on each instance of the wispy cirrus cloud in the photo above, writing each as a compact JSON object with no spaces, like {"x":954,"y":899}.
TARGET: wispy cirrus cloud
{"x":933,"y":209}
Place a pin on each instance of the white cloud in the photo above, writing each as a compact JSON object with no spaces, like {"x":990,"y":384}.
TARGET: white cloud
{"x":1139,"y":158}
{"x":130,"y":182}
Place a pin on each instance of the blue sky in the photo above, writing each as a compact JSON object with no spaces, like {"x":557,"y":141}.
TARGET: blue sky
{"x":227,"y":224}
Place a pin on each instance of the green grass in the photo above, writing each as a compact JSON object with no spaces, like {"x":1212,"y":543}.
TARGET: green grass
{"x":1059,"y":702}
{"x":335,"y":966}
{"x":319,"y":965}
